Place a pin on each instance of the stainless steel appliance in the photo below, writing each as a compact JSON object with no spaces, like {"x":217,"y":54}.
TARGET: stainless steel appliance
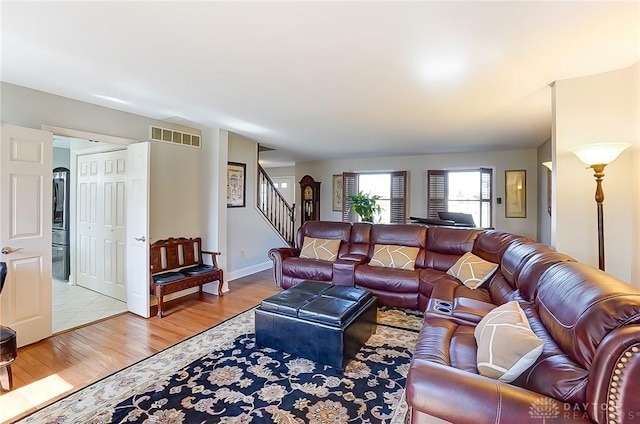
{"x":60,"y":212}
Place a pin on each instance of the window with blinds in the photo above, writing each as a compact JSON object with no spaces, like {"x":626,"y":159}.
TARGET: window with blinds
{"x":466,"y":191}
{"x":391,"y":186}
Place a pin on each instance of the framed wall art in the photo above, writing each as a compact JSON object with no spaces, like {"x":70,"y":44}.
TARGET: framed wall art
{"x":337,"y":193}
{"x":515,"y":193}
{"x":236,"y":185}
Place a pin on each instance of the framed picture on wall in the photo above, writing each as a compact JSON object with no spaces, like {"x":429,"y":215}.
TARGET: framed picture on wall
{"x":515,"y":193}
{"x":337,"y":193}
{"x":236,"y":185}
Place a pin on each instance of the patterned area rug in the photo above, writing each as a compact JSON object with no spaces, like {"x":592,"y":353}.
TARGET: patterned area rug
{"x":221,"y":376}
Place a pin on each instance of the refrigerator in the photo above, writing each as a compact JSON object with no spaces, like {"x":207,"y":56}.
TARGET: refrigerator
{"x":60,"y":213}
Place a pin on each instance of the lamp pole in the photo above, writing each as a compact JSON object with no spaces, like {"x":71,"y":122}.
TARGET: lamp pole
{"x":598,"y":172}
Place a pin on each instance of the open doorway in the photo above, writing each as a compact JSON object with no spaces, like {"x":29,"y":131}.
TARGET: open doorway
{"x":93,"y":287}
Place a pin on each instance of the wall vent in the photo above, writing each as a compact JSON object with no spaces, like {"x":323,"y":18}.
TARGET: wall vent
{"x":172,"y":136}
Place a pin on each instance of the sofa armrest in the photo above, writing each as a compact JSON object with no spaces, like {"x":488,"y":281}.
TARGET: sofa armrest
{"x":354,"y":257}
{"x":431,"y":387}
{"x":614,"y":378}
{"x":278,"y":255}
{"x":344,"y":270}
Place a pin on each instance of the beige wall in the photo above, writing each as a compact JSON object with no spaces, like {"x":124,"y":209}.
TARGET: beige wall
{"x":249,"y":236}
{"x":418,"y":165}
{"x":595,"y":109}
{"x":175,"y":202}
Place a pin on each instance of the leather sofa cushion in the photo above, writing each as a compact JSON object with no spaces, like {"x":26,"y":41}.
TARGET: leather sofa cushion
{"x":430,"y":278}
{"x":445,"y":342}
{"x":387,"y":279}
{"x":554,"y":374}
{"x":579,"y":305}
{"x":451,"y":289}
{"x":491,"y":245}
{"x":446,"y":245}
{"x":359,"y":242}
{"x":411,"y":235}
{"x":310,"y":287}
{"x":516,"y":256}
{"x":529,"y":275}
{"x":308,"y":269}
{"x":318,"y":248}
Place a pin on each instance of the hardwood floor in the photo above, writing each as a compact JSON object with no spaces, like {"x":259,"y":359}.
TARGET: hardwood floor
{"x":48,"y":370}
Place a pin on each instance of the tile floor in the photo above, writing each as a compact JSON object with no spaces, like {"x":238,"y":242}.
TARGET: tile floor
{"x":74,"y":306}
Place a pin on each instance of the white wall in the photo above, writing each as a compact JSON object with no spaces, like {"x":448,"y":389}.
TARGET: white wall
{"x":249,"y":236}
{"x":417,"y":185}
{"x":281,"y":171}
{"x":61,"y":158}
{"x":177,"y":205}
{"x":595,"y":109}
{"x":175,"y":201}
{"x":544,"y":219}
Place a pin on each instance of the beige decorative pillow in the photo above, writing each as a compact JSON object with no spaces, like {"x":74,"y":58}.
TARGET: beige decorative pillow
{"x":506,"y":344}
{"x":391,"y":256}
{"x":317,"y":248}
{"x":471,"y":270}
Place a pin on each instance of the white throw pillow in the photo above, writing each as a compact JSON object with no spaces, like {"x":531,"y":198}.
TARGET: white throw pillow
{"x":472,"y":271}
{"x":506,"y":344}
{"x":317,"y":248}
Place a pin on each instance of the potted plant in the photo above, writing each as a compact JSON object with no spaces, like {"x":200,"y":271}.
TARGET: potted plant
{"x":365,"y":205}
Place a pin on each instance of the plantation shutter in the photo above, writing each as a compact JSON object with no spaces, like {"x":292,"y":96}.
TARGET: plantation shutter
{"x":349,"y":187}
{"x":436,"y":193}
{"x":486,"y":198}
{"x":398,"y":197}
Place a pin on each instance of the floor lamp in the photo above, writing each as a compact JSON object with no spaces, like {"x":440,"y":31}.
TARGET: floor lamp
{"x":597,"y":156}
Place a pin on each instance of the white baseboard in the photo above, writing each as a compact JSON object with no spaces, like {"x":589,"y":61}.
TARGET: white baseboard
{"x":249,"y":270}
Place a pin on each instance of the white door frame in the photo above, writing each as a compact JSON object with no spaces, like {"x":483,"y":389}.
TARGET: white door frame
{"x":115,"y":143}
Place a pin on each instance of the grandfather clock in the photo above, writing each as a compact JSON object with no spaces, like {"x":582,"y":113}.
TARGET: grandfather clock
{"x":310,"y":194}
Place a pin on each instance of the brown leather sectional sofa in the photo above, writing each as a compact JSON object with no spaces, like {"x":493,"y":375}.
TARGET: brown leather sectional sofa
{"x":589,"y":369}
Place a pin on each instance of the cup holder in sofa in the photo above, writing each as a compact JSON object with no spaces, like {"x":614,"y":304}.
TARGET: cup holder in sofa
{"x":443,"y":306}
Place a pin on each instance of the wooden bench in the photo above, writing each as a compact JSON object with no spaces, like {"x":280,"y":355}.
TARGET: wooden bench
{"x":176,"y":264}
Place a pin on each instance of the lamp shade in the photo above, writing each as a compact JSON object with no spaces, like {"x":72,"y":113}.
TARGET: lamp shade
{"x":548,"y":164}
{"x":599,"y":154}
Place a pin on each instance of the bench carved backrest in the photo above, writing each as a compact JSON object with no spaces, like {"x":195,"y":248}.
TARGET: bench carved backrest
{"x":172,"y":253}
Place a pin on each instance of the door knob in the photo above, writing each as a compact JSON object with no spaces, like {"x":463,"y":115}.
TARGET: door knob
{"x":140,"y":239}
{"x":6,"y":250}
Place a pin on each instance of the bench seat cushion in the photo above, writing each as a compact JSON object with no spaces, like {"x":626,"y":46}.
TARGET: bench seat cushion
{"x":168,"y":277}
{"x":198,"y":269}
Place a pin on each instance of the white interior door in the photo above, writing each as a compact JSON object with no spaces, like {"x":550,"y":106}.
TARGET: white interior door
{"x":25,"y":227}
{"x":101,"y":222}
{"x":113,"y":280}
{"x":88,"y":228}
{"x":137,"y":243}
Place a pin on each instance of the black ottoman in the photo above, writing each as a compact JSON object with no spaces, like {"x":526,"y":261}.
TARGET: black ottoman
{"x":319,"y":321}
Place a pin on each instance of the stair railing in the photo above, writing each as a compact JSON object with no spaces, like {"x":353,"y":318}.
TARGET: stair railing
{"x":275,"y":208}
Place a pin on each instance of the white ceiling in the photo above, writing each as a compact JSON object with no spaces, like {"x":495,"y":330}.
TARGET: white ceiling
{"x":325,"y":79}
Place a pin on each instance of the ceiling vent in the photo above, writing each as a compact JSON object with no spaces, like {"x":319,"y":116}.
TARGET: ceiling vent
{"x":172,"y":136}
